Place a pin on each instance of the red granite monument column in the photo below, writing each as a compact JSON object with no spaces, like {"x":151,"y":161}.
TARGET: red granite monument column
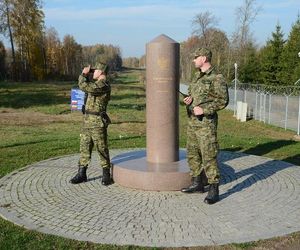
{"x":161,"y":166}
{"x":162,"y":76}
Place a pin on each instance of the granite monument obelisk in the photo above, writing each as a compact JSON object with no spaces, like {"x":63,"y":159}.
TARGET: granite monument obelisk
{"x":162,"y":74}
{"x":162,"y":166}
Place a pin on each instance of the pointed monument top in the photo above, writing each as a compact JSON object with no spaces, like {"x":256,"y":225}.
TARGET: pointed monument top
{"x":163,"y":39}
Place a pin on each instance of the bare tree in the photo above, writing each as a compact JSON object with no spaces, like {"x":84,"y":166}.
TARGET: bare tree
{"x":202,"y":23}
{"x":242,"y":39}
{"x":245,"y":16}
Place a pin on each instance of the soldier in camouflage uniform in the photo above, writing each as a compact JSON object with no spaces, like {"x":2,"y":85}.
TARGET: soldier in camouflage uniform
{"x":208,"y":93}
{"x":95,"y":122}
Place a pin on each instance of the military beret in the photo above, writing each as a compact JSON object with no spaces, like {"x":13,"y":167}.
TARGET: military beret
{"x":203,"y":52}
{"x":101,"y":66}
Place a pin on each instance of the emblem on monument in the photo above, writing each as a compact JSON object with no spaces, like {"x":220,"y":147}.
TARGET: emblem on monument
{"x":163,"y":63}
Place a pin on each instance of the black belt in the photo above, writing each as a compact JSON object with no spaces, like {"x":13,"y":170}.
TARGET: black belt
{"x":200,"y":117}
{"x":95,"y":113}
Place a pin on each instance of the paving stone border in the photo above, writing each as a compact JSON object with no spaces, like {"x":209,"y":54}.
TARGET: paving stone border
{"x":260,"y":198}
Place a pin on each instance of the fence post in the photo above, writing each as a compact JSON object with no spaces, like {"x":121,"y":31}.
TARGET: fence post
{"x":260,"y":106}
{"x":256,"y":101}
{"x":265,"y":100}
{"x":235,"y":82}
{"x":286,"y":111}
{"x":298,"y":131}
{"x":270,"y":103}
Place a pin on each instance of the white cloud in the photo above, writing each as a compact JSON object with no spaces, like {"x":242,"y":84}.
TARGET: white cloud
{"x":113,"y":13}
{"x":153,"y":11}
{"x":129,"y":21}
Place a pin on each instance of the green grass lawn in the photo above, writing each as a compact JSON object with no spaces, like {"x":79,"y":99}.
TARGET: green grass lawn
{"x":36,"y":124}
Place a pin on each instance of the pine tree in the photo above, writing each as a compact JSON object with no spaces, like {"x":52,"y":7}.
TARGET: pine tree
{"x":290,"y":60}
{"x":270,"y":58}
{"x":248,"y":72}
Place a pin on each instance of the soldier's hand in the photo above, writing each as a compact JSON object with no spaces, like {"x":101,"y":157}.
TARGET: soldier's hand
{"x":188,"y":100}
{"x":98,"y":75}
{"x":102,"y":77}
{"x":86,"y":70}
{"x":198,"y":110}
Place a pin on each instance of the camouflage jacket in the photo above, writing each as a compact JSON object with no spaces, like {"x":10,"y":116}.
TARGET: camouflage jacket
{"x":209,"y":91}
{"x":98,"y":96}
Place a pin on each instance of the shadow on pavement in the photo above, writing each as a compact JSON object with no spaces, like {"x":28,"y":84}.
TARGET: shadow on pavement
{"x":255,"y":173}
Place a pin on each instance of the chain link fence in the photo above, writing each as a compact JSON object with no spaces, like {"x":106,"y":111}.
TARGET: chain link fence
{"x":279,"y":106}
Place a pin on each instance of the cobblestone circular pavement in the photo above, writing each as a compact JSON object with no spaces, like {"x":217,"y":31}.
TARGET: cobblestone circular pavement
{"x":260,"y":198}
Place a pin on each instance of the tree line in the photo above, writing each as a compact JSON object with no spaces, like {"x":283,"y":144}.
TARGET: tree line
{"x":275,"y":63}
{"x":37,"y":53}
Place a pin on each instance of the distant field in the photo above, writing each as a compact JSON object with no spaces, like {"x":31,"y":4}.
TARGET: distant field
{"x":36,"y":124}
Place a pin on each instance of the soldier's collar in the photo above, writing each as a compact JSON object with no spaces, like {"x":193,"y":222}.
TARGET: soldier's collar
{"x":207,"y":72}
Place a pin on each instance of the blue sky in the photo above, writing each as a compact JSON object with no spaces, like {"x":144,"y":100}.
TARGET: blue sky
{"x":131,"y":24}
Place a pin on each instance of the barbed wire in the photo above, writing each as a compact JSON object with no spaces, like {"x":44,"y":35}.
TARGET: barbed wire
{"x":290,"y":90}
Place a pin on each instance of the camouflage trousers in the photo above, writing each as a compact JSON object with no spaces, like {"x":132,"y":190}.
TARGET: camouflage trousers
{"x":202,"y":150}
{"x":89,"y":138}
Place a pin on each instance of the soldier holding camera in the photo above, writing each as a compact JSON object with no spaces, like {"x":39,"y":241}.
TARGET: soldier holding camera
{"x":94,"y":82}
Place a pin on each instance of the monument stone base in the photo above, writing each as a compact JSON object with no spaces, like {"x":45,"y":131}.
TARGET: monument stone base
{"x":132,"y":170}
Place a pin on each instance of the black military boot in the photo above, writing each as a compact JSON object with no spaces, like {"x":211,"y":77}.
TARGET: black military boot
{"x":196,"y":186}
{"x":80,"y":176}
{"x":213,"y":194}
{"x":204,"y":179}
{"x":106,"y":179}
